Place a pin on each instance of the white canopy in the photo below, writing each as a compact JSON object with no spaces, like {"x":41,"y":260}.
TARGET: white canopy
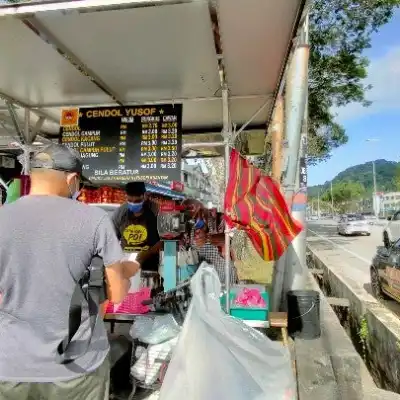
{"x":85,"y":52}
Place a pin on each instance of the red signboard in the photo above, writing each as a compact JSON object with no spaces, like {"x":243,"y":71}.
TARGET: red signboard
{"x":177,"y":186}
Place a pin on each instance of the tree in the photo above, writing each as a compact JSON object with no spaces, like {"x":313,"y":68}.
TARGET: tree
{"x":396,"y":179}
{"x":340,"y":31}
{"x":344,"y":192}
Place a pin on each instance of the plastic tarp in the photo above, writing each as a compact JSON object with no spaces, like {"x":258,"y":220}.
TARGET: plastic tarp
{"x":220,"y":357}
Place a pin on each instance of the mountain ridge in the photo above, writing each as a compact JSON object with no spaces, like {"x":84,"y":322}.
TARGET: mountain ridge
{"x":362,"y":173}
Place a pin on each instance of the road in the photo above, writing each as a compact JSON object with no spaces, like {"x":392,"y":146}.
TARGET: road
{"x":355,"y":252}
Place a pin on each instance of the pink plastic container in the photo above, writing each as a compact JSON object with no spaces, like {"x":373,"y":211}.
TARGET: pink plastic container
{"x":132,"y":303}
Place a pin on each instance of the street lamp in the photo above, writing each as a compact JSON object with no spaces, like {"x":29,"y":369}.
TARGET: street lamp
{"x":374,"y":198}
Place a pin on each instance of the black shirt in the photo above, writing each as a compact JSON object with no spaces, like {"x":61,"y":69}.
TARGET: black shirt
{"x":137,"y":233}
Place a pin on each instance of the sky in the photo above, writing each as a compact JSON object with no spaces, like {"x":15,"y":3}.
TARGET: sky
{"x":380,"y":121}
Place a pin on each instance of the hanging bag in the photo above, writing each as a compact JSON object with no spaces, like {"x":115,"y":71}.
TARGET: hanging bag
{"x":219,"y":357}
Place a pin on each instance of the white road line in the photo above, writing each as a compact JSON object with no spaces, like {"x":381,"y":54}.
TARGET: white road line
{"x":341,"y":247}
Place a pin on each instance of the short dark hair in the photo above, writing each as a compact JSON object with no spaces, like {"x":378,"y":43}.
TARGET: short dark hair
{"x":135,"y":188}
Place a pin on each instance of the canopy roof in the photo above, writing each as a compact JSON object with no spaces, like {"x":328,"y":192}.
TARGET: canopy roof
{"x":56,"y":54}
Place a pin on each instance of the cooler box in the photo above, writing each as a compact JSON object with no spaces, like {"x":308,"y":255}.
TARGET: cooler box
{"x":247,"y":313}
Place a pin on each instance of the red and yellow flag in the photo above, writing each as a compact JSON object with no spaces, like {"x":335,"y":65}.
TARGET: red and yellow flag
{"x":253,"y":202}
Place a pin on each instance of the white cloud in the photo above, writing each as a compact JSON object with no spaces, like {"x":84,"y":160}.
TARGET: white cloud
{"x":384,"y":76}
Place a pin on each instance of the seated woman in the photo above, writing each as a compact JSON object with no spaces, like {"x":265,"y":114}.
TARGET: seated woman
{"x":209,"y":253}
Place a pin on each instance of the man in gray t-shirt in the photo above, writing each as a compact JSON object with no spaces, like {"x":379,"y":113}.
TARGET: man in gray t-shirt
{"x":47,"y":242}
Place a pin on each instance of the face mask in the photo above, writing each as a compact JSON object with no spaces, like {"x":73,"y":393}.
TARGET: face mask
{"x":199,"y":224}
{"x":135,"y":207}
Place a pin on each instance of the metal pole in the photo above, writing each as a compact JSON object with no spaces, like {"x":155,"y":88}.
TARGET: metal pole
{"x":374,"y":198}
{"x":226,"y":135}
{"x":27,"y":137}
{"x":277,"y":139}
{"x":333,"y":212}
{"x":291,"y":269}
{"x":319,"y":210}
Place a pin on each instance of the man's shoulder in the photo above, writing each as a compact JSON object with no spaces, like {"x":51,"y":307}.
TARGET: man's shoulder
{"x":92,"y":211}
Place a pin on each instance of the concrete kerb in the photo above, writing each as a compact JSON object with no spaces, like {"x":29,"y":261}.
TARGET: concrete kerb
{"x":382,"y":326}
{"x":345,"y":362}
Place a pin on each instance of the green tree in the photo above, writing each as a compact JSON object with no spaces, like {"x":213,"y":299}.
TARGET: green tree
{"x":344,"y":192}
{"x":340,"y":31}
{"x":396,"y":179}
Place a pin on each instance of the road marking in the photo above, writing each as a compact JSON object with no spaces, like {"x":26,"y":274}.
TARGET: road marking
{"x":341,"y":247}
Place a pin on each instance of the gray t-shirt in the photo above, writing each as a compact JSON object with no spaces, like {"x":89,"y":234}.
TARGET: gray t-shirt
{"x":46,"y":244}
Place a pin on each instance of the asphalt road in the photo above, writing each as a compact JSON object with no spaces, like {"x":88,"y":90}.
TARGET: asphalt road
{"x":355,"y":251}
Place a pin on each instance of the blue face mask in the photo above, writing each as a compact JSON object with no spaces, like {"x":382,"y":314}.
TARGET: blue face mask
{"x":135,"y":207}
{"x":199,"y":224}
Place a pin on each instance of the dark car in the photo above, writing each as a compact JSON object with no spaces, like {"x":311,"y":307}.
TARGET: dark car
{"x":385,"y":272}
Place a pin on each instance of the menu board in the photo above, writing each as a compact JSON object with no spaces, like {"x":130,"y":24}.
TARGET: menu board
{"x":122,"y":144}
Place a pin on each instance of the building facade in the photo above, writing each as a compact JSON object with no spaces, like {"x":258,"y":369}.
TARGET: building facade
{"x":390,"y":202}
{"x":196,"y":179}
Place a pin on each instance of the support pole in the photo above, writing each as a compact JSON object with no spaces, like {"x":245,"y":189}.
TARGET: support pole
{"x":226,"y":135}
{"x":290,"y":270}
{"x":374,"y":199}
{"x":26,"y":167}
{"x":277,"y":140}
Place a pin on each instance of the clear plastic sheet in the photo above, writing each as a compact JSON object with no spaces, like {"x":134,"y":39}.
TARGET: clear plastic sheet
{"x":219,"y":357}
{"x":155,"y":330}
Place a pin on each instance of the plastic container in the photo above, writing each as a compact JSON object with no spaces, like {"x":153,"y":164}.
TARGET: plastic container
{"x":132,"y":303}
{"x":304,"y":314}
{"x":247,"y":313}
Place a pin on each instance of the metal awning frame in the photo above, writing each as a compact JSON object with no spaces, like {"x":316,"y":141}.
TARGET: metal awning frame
{"x":27,"y":13}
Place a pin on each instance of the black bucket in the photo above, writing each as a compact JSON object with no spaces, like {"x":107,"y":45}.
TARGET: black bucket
{"x":303,"y":314}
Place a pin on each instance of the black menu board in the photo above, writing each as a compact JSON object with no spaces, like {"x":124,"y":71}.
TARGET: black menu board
{"x":122,"y":144}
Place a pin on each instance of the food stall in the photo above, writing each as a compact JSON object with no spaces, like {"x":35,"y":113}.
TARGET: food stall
{"x":132,"y":114}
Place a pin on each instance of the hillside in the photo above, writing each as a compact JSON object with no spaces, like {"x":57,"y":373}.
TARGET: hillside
{"x":362,"y":173}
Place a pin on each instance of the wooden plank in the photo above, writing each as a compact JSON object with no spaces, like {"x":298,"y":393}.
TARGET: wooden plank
{"x":278,"y":320}
{"x":338,"y":301}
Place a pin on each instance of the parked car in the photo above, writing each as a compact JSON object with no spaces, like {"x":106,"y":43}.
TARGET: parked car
{"x":385,"y":272}
{"x":391,"y":232}
{"x":353,"y":224}
{"x":371,"y":218}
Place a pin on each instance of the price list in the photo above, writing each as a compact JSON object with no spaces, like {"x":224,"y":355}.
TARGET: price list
{"x":121,"y":144}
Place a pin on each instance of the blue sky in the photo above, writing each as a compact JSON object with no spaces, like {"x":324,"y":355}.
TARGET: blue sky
{"x":381,"y":120}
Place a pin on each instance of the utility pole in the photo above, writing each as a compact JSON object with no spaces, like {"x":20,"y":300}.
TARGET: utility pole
{"x":374,"y":196}
{"x":291,"y":271}
{"x":333,"y":211}
{"x":319,"y":211}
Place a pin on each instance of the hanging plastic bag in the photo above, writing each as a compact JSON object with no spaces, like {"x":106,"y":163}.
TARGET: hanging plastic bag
{"x":219,"y":357}
{"x":155,"y":330}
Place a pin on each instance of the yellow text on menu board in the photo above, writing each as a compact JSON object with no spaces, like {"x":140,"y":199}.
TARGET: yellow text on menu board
{"x":120,"y":112}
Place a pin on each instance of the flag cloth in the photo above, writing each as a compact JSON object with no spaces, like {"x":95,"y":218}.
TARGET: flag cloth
{"x":254,"y":203}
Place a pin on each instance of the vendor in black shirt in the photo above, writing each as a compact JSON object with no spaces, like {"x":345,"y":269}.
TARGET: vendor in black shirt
{"x":136,"y":227}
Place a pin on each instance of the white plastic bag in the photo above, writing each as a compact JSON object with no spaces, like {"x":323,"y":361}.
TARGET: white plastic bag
{"x":148,"y":366}
{"x":219,"y":357}
{"x":155,"y":330}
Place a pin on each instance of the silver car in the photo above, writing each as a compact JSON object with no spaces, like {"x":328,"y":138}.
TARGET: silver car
{"x":353,"y":224}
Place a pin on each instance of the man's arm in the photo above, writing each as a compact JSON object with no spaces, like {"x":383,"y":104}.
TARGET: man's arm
{"x":117,"y":272}
{"x":154,"y":239}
